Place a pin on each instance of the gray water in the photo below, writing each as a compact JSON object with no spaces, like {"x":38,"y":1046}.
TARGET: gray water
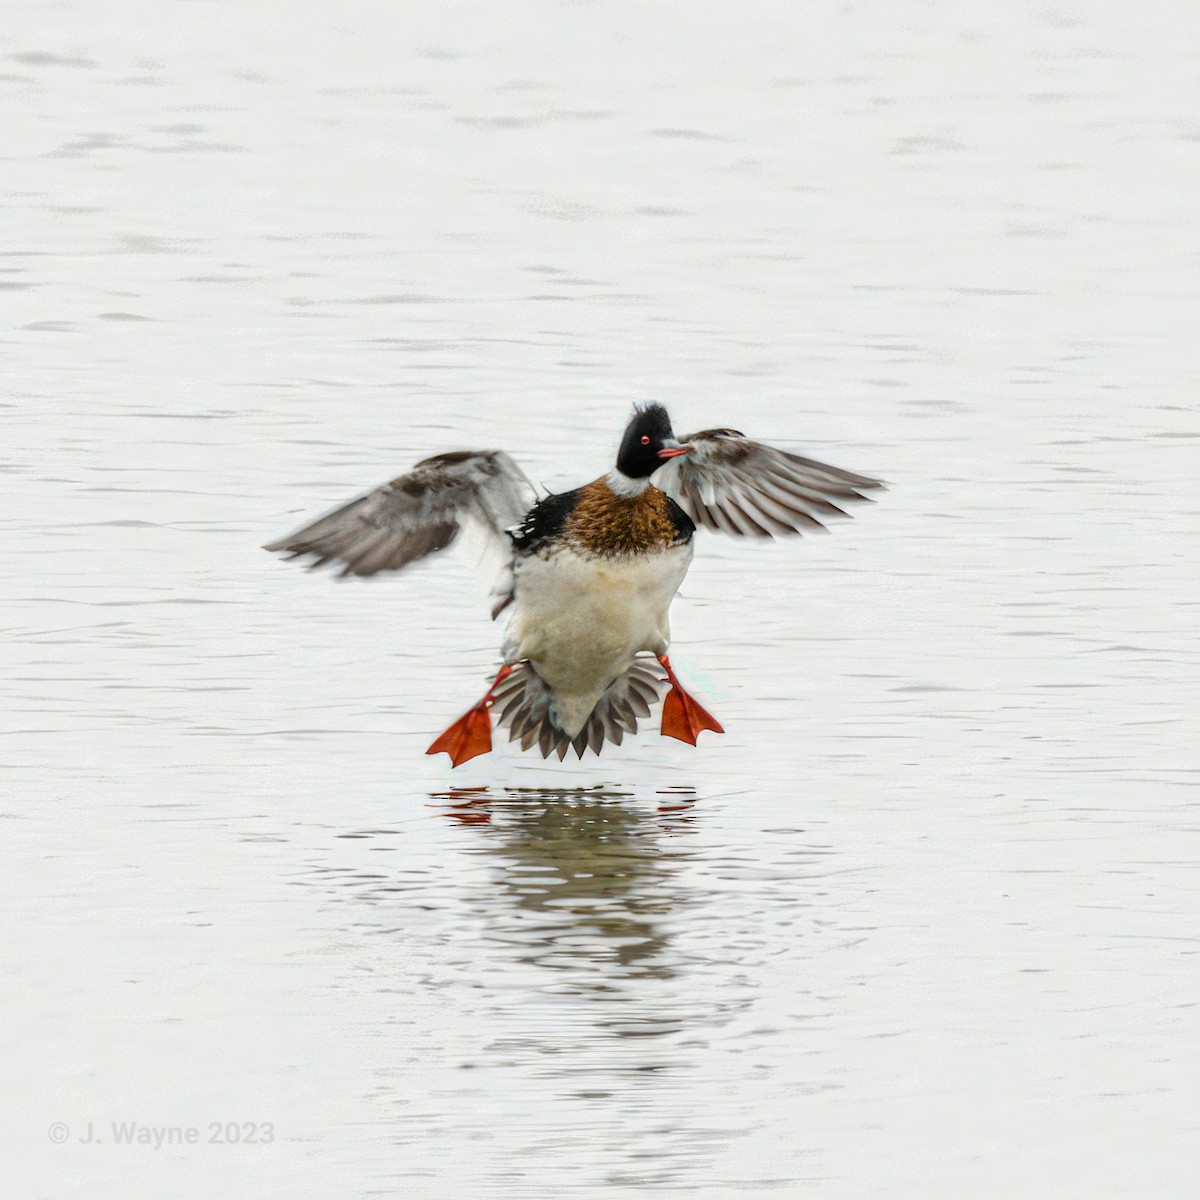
{"x":923,"y":923}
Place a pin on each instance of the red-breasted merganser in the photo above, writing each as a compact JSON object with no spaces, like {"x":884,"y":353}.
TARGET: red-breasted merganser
{"x":589,"y":575}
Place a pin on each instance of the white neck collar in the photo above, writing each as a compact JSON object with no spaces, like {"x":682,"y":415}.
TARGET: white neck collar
{"x":624,"y":486}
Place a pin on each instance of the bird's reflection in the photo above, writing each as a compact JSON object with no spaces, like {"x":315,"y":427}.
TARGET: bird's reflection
{"x":591,"y":874}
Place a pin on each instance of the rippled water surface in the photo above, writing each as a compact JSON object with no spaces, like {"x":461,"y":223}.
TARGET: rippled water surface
{"x":923,"y":923}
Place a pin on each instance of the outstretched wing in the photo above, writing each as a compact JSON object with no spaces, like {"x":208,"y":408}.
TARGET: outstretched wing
{"x":416,"y":514}
{"x":730,"y":483}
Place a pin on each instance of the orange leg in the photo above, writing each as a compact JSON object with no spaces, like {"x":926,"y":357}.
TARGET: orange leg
{"x":682,"y":716}
{"x":471,"y":734}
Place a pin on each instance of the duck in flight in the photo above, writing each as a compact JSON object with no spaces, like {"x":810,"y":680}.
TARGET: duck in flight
{"x":588,"y":575}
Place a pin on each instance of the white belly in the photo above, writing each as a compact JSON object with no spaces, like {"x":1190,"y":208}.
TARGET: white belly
{"x":580,"y":621}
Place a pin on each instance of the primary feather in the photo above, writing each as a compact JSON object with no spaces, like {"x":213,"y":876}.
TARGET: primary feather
{"x":732,"y":484}
{"x":417,"y":514}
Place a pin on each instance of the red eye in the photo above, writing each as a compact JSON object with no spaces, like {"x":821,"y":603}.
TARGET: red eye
{"x":645,"y":440}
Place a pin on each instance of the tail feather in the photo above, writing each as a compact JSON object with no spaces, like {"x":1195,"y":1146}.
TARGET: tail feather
{"x":626,"y":717}
{"x":509,"y":708}
{"x":522,"y":706}
{"x":529,"y":734}
{"x":646,"y":690}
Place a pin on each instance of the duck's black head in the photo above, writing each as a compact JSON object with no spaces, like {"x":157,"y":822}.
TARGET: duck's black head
{"x":648,"y":442}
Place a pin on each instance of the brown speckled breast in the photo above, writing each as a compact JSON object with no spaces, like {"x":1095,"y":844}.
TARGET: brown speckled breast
{"x":602,"y":522}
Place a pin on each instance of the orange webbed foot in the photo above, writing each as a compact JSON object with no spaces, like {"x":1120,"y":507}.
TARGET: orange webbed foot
{"x":683,"y":717}
{"x":469,"y":737}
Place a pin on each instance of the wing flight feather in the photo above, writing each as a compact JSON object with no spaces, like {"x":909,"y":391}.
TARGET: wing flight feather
{"x":416,"y":514}
{"x":732,"y":484}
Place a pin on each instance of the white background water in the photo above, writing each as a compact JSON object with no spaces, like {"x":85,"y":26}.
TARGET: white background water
{"x":924,"y":922}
